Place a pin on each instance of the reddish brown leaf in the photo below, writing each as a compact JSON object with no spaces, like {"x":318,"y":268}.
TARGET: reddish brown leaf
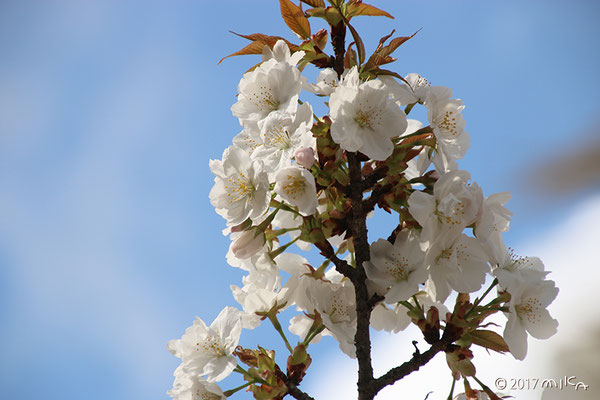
{"x":316,"y":12}
{"x":295,"y":19}
{"x":314,"y":3}
{"x":320,"y":38}
{"x":270,"y":40}
{"x":383,"y":40}
{"x":350,"y":57}
{"x":378,"y":72}
{"x":414,"y":139}
{"x":490,"y":340}
{"x":376,"y":60}
{"x":395,"y":43}
{"x":382,"y":53}
{"x":355,"y":9}
{"x":252,"y":48}
{"x":359,"y":44}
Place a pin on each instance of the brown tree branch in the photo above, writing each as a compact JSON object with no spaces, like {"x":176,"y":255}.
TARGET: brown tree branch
{"x":297,"y":393}
{"x":412,"y":365}
{"x":358,"y":227}
{"x":338,"y":41}
{"x":340,"y":265}
{"x":371,"y":179}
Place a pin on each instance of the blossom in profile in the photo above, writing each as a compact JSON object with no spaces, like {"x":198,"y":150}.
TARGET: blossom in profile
{"x":527,"y":313}
{"x":207,"y":351}
{"x":327,"y":82}
{"x":513,"y":270}
{"x":448,"y":124}
{"x":364,"y":118}
{"x":492,"y":222}
{"x":336,"y":304}
{"x":415,"y":91}
{"x":190,"y":387}
{"x":281,"y":53}
{"x":247,"y":243}
{"x":390,"y":319}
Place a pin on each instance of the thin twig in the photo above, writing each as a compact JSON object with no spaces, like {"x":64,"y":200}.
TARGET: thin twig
{"x":412,"y":365}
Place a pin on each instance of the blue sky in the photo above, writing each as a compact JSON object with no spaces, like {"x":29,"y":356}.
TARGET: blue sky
{"x":110,"y":111}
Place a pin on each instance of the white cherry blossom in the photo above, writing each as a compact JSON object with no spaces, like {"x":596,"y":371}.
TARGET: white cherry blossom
{"x":241,"y":187}
{"x":454,"y":205}
{"x":257,"y":262}
{"x":273,"y":85}
{"x":327,"y":82}
{"x":403,"y":94}
{"x":207,"y":351}
{"x":417,"y":166}
{"x":297,"y":187}
{"x":390,"y":319}
{"x":247,"y":243}
{"x":248,"y":139}
{"x":481,"y":395}
{"x":397,"y":270}
{"x":364,"y":118}
{"x":426,"y":301}
{"x":448,"y":126}
{"x":300,"y":325}
{"x":512,"y":270}
{"x":282,"y":134}
{"x":336,"y":304}
{"x":190,"y":387}
{"x":281,"y":53}
{"x":492,"y":221}
{"x":457,"y":263}
{"x":255,"y":300}
{"x":528,"y":314}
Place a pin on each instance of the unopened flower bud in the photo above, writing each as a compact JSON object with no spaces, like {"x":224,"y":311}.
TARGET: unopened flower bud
{"x":247,"y":244}
{"x":305,"y":157}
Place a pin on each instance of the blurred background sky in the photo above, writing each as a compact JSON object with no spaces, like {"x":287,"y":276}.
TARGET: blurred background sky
{"x":110,"y":111}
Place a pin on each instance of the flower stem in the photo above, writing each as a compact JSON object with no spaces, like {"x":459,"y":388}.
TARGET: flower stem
{"x":483,"y":386}
{"x":312,"y":333}
{"x":283,"y":248}
{"x":229,"y":392}
{"x":256,"y":379}
{"x":284,"y":207}
{"x":277,"y":326}
{"x":452,"y":389}
{"x":425,"y":130}
{"x":480,"y":299}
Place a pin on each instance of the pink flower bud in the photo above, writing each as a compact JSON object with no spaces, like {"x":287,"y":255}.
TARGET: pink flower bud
{"x":305,"y":157}
{"x":246,"y":244}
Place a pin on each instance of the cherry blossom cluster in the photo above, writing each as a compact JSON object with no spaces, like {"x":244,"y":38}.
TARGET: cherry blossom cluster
{"x":285,"y":181}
